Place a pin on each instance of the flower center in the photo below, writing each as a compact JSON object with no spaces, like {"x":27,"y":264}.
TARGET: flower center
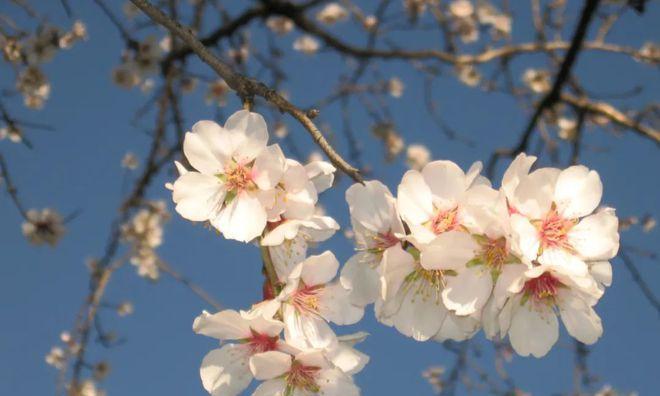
{"x":543,"y":289}
{"x":429,"y":283}
{"x":444,"y":220}
{"x":306,"y":298}
{"x":237,"y":178}
{"x":383,"y":241}
{"x":553,"y":231}
{"x":494,"y":253}
{"x":259,"y":343}
{"x":301,"y":377}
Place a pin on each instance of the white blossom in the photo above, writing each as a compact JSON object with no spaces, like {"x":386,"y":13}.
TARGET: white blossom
{"x":306,"y":44}
{"x":332,"y":13}
{"x":43,"y":227}
{"x":417,"y":156}
{"x":233,"y":184}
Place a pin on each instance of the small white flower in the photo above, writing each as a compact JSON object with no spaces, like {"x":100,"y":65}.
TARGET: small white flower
{"x":417,"y":156}
{"x":305,"y":373}
{"x":536,"y":297}
{"x":306,"y":44}
{"x":235,"y":178}
{"x":225,"y":371}
{"x":395,"y":87}
{"x":431,"y":201}
{"x":56,"y":357}
{"x":130,"y":161}
{"x":45,"y":226}
{"x":279,"y":24}
{"x":11,"y":132}
{"x":310,"y":299}
{"x":33,"y":84}
{"x":332,"y":13}
{"x":412,"y":300}
{"x":377,"y":229}
{"x":217,"y":93}
{"x":567,"y":128}
{"x":537,"y":80}
{"x":461,"y":8}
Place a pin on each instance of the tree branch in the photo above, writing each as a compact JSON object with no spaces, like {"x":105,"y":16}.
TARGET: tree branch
{"x":248,"y":88}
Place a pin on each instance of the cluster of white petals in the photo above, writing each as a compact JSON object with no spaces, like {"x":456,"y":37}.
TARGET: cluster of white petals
{"x":248,"y":191}
{"x":446,"y":257}
{"x":144,"y":234}
{"x":450,"y":254}
{"x":44,"y":226}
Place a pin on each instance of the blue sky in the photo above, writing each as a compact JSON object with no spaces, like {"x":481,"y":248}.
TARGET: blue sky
{"x":76,"y":167}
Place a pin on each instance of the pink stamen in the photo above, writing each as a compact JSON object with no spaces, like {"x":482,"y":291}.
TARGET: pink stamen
{"x":553,"y":231}
{"x":543,"y":288}
{"x":262,"y":342}
{"x":445,"y":220}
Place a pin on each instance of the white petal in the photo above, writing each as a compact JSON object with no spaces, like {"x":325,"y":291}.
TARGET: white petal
{"x":361,"y":279}
{"x":319,"y":269}
{"x":307,"y":331}
{"x":371,"y":205}
{"x":420,"y":316}
{"x":518,"y":169}
{"x":457,"y":328}
{"x":250,"y":132}
{"x":578,"y":191}
{"x":533,"y":196}
{"x":596,"y":237}
{"x":224,"y":325}
{"x":287,"y":255}
{"x":525,"y":240}
{"x":335,"y":305}
{"x":300,"y":204}
{"x":270,"y":364}
{"x":414,"y":199}
{"x":225,"y":372}
{"x":243,"y":219}
{"x":273,"y":387}
{"x":534,"y":330}
{"x":602,"y":272}
{"x":468,"y":291}
{"x":198,"y":197}
{"x":263,"y":325}
{"x":335,"y":383}
{"x":397,"y":264}
{"x":472,"y":175}
{"x":563,"y":261}
{"x":347,"y":359}
{"x":449,"y":250}
{"x":580,"y":319}
{"x":268,"y":167}
{"x":447,"y":182}
{"x":216,"y":139}
{"x":200,"y":156}
{"x":321,"y":173}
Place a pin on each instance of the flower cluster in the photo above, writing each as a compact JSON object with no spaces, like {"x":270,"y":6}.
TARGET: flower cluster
{"x":249,"y":191}
{"x":451,"y":254}
{"x":28,"y":52}
{"x":144,"y":233}
{"x":447,"y":256}
{"x":44,"y":226}
{"x":138,"y":64}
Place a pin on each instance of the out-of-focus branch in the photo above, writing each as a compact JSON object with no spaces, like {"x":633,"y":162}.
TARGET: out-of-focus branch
{"x":9,"y":186}
{"x":199,"y":291}
{"x":248,"y":88}
{"x":639,"y":279}
{"x":612,"y":114}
